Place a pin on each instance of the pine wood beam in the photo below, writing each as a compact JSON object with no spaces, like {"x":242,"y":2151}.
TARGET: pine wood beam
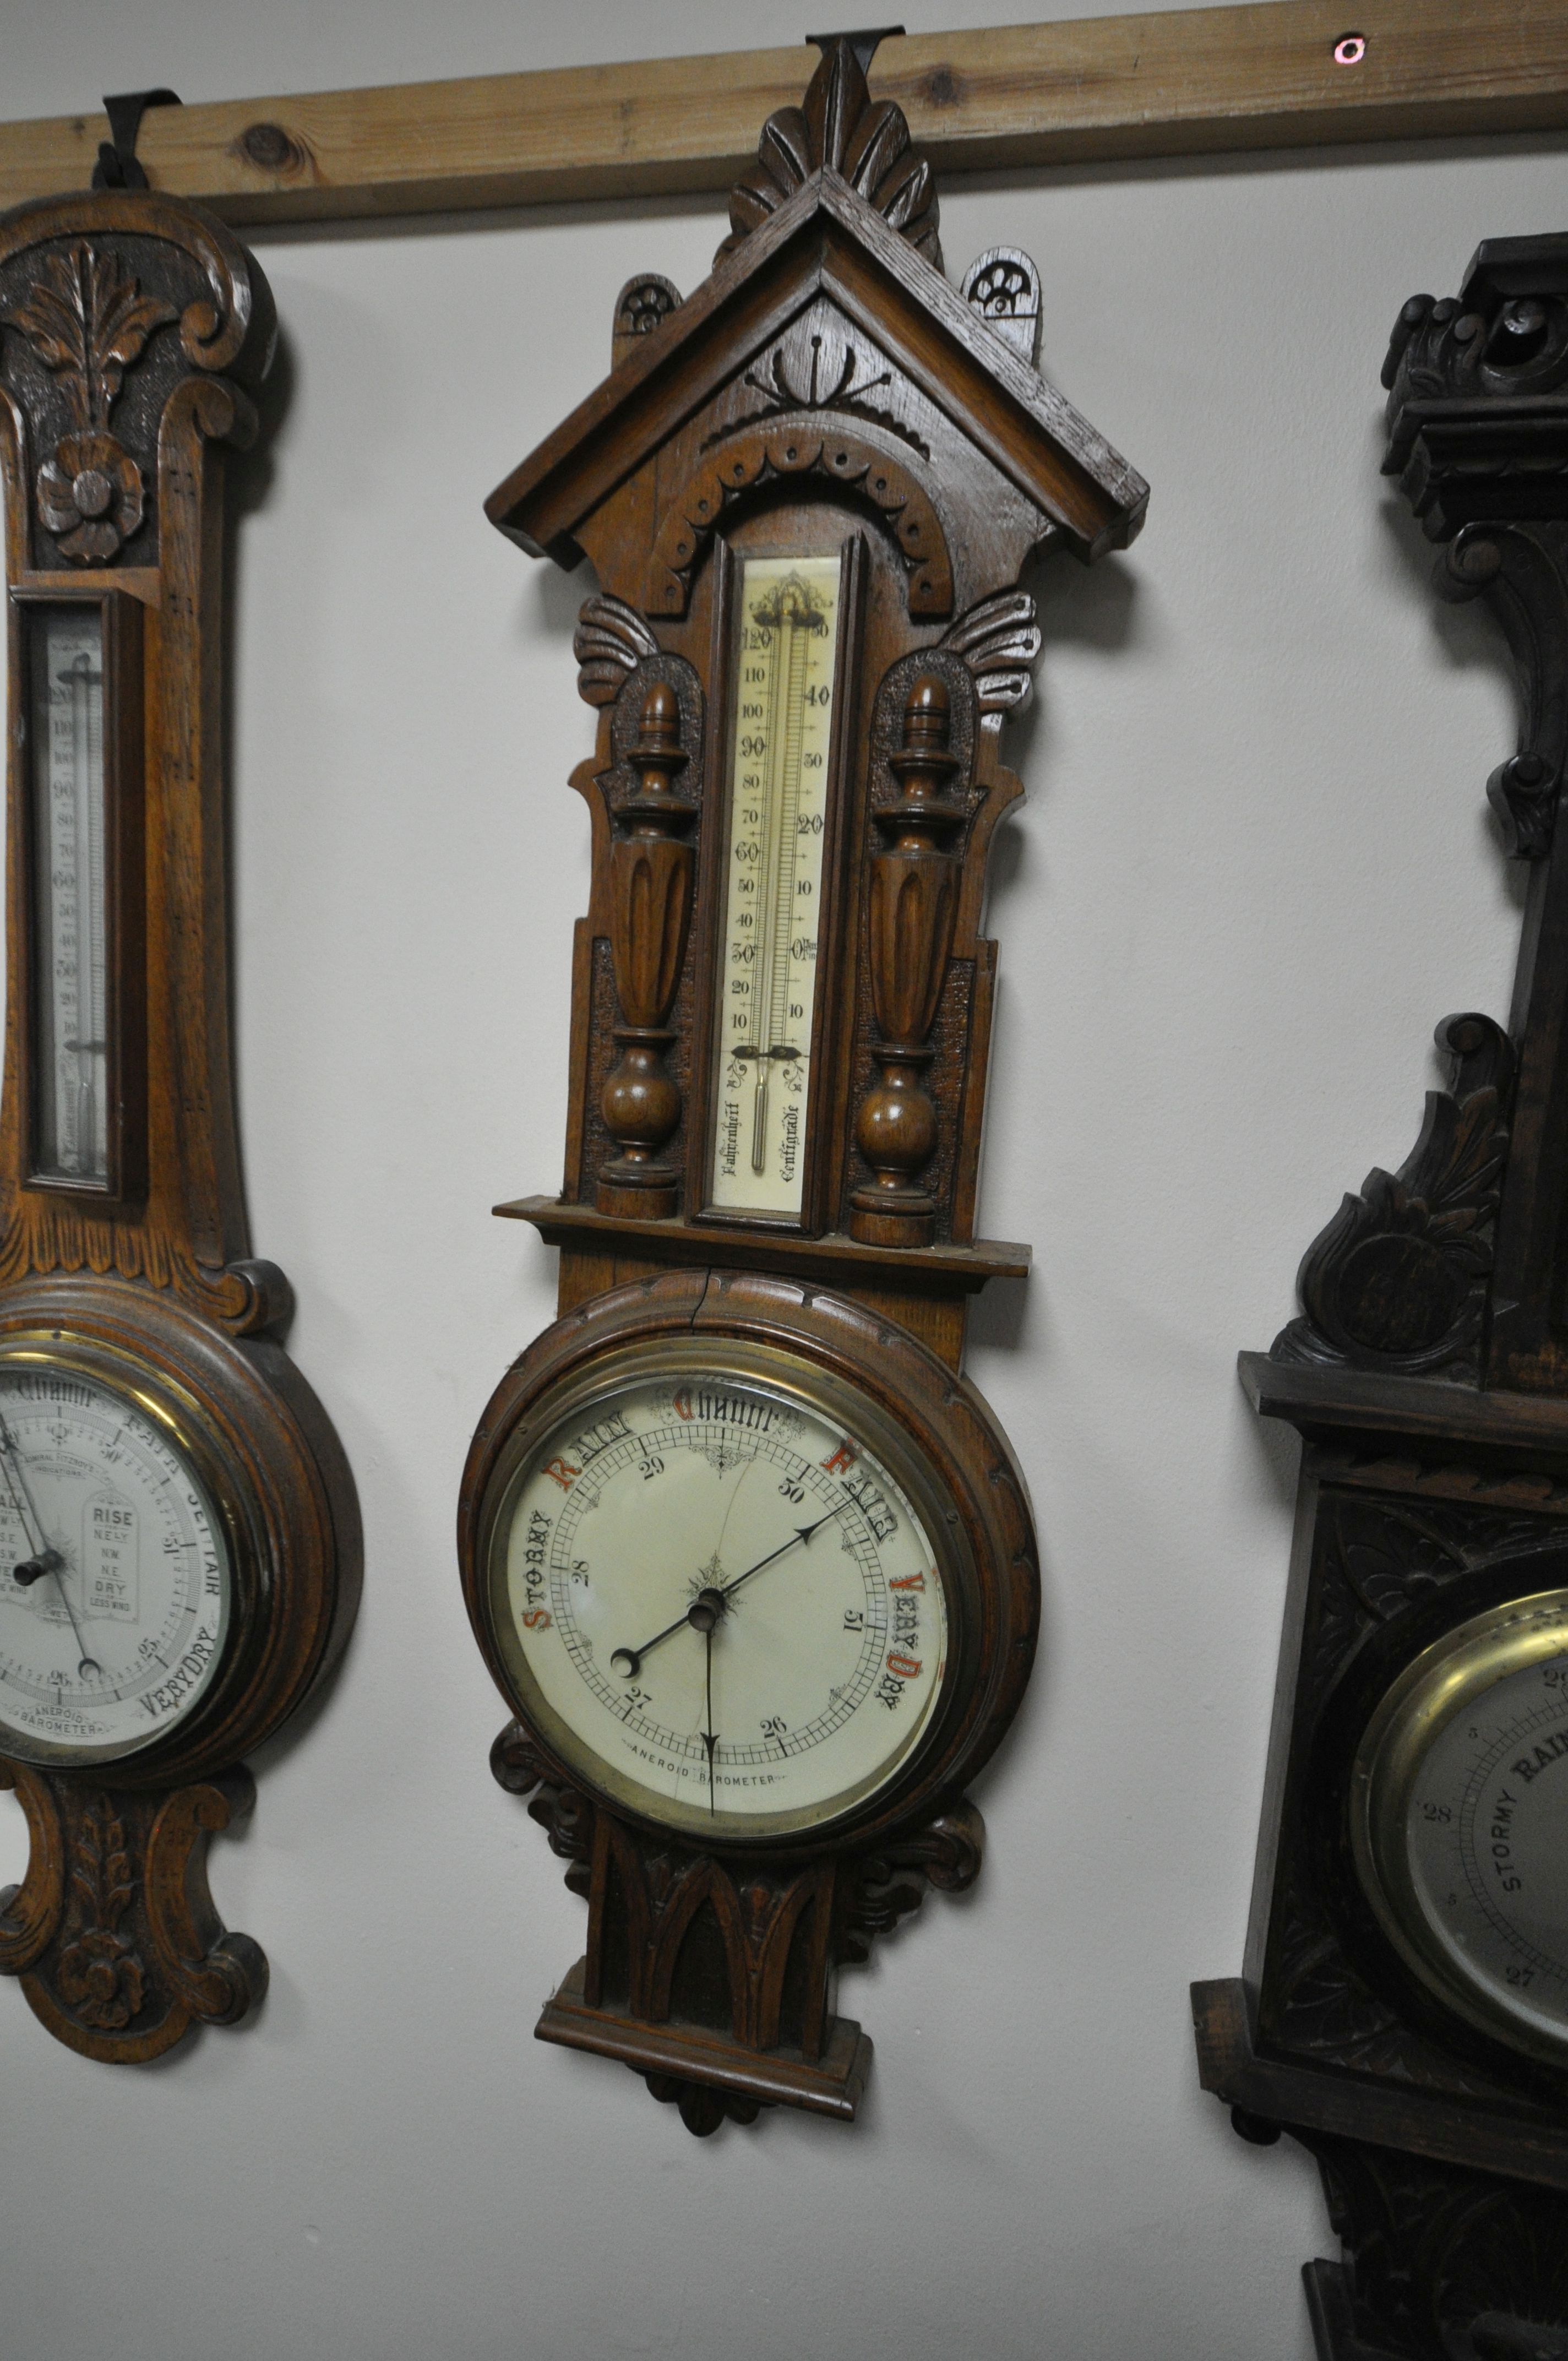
{"x":1183,"y":82}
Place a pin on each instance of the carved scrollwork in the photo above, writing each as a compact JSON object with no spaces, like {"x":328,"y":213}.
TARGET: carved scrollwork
{"x":881,"y":1888}
{"x":1521,"y":571}
{"x":1397,"y":1280}
{"x":756,"y":457}
{"x":1446,"y":2264}
{"x":840,"y":129}
{"x":566,"y":1818}
{"x":113,"y":1933}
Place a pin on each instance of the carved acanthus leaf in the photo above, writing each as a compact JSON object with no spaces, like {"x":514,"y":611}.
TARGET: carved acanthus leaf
{"x":840,"y":128}
{"x":999,"y":641}
{"x":1397,"y":1279}
{"x":88,"y":323}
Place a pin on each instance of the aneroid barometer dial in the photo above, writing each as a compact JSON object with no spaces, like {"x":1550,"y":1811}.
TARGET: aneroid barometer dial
{"x":114,"y":1571}
{"x":716,"y":1597}
{"x":1458,"y":1817}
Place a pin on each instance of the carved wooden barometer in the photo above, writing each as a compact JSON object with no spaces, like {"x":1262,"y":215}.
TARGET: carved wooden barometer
{"x":178,"y":1539}
{"x":748,"y":1556}
{"x":1404,"y":2010}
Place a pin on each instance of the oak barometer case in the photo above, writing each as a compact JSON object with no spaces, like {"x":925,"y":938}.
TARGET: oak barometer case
{"x":1404,"y":2006}
{"x":749,"y":1559}
{"x":179,"y":1537}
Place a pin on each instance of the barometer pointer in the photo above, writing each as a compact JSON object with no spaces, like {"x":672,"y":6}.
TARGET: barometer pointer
{"x":46,"y":1560}
{"x":709,"y":1605}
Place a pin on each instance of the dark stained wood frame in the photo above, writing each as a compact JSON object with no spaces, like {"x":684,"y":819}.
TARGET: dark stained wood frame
{"x":113,"y":1932}
{"x":125,"y":909}
{"x":1427,"y":1374}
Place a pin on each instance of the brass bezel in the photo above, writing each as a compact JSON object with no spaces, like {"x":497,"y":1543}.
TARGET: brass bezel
{"x":860,"y":1416}
{"x":1433,"y":1689}
{"x":179,"y":1412}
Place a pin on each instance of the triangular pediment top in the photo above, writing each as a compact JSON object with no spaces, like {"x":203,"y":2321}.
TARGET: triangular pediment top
{"x":824,"y":239}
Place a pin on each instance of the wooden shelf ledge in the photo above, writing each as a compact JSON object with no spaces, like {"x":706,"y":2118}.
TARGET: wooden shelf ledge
{"x":922,"y":1270}
{"x":1186,"y":82}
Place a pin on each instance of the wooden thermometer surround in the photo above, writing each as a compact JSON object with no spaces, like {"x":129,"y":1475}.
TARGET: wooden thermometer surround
{"x":165,"y":1471}
{"x":1404,"y":2006}
{"x":809,"y":492}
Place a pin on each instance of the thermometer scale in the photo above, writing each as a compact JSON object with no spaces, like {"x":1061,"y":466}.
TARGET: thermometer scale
{"x":778,"y":799}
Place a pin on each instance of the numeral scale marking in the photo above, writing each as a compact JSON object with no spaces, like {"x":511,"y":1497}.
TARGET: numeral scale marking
{"x":785,"y":679}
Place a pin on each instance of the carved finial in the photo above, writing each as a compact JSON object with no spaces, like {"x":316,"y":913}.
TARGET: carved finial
{"x":1004,"y":286}
{"x":643,"y":304}
{"x":913,"y":903}
{"x":840,"y":129}
{"x":652,"y":872}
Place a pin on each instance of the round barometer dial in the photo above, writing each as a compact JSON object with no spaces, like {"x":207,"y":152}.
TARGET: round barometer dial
{"x":115,"y":1576}
{"x":1459,"y":1821}
{"x":715,"y":1596}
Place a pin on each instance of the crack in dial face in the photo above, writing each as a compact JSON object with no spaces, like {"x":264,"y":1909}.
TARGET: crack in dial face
{"x":115,"y":1581}
{"x":719,"y":1603}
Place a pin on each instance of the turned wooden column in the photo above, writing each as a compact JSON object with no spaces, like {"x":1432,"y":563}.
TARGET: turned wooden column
{"x":651,"y":867}
{"x":914,"y":901}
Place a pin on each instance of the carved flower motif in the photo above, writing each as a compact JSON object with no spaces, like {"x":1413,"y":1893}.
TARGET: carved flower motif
{"x":101,"y":1978}
{"x":90,"y":494}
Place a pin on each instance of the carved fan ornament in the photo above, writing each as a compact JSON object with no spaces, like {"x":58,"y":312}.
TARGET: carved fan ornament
{"x":840,"y":129}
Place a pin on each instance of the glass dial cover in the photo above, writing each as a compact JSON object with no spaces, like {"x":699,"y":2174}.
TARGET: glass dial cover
{"x":1459,"y":1821}
{"x":116,"y":1574}
{"x":716,"y":1601}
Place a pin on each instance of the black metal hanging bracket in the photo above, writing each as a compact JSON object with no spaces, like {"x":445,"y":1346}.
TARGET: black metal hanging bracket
{"x":864,"y":45}
{"x":117,"y":167}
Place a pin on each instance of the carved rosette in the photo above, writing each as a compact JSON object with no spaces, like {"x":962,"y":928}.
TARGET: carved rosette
{"x":914,"y":896}
{"x":112,"y":1933}
{"x":652,"y":870}
{"x":87,"y":322}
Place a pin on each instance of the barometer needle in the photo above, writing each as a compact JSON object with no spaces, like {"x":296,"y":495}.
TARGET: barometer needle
{"x":709,"y":1605}
{"x":710,"y":1736}
{"x":45,"y":1560}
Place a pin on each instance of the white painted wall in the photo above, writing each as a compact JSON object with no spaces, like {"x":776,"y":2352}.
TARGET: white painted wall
{"x":1253,"y":874}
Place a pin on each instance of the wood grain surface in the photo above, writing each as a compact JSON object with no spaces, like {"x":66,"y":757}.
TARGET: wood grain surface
{"x":1183,"y":81}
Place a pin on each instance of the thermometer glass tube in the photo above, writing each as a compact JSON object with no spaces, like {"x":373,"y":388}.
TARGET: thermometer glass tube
{"x":784,"y":671}
{"x":71,"y":893}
